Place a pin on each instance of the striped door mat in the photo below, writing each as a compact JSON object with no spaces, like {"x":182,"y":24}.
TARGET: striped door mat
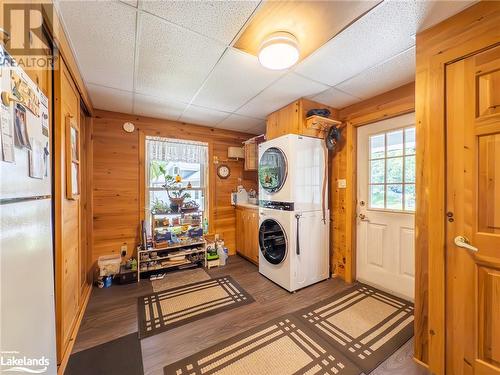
{"x":164,"y":310}
{"x":284,"y":345}
{"x":363,"y":323}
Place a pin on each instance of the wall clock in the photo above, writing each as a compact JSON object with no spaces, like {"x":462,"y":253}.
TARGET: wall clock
{"x":223,"y":171}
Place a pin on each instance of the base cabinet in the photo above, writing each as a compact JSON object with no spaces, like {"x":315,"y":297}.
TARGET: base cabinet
{"x":247,"y":233}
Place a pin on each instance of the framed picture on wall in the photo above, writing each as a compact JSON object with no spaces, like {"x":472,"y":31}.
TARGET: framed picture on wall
{"x":72,"y":158}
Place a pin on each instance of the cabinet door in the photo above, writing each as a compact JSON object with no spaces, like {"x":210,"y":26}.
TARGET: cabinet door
{"x":239,"y":227}
{"x":254,"y":236}
{"x":251,"y":156}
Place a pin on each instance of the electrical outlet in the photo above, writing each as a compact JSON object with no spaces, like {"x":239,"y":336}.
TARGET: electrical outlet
{"x":124,"y":250}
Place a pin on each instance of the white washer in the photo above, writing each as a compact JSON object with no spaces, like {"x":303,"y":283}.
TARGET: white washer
{"x":281,"y":260}
{"x":292,"y":169}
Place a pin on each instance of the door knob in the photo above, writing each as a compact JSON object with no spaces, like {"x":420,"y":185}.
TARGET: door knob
{"x":363,"y":217}
{"x":464,"y":243}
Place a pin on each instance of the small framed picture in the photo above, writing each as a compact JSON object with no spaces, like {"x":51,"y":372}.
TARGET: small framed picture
{"x":72,"y":159}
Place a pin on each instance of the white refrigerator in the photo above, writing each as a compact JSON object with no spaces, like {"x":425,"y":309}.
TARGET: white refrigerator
{"x":27,"y":312}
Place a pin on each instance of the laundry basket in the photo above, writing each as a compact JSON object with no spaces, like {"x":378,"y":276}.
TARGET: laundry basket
{"x":109,"y":264}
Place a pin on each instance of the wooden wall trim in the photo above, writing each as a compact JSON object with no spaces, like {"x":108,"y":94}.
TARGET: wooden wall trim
{"x":396,"y":102}
{"x":469,"y":32}
{"x":65,"y":357}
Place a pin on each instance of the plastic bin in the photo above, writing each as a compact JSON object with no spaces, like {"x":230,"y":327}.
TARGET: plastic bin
{"x":109,"y":264}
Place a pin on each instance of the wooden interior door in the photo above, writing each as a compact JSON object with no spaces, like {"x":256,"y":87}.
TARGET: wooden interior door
{"x":473,"y":215}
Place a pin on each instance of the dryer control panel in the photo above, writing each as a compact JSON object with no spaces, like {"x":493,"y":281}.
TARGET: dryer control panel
{"x":283,"y":206}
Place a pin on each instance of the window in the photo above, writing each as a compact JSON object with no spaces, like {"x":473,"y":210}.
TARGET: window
{"x":168,"y":160}
{"x":392,"y":170}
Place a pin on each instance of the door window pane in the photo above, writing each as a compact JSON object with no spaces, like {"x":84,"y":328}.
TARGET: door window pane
{"x":377,"y":171}
{"x":392,"y":170}
{"x":395,"y":170}
{"x":377,"y":146}
{"x":410,"y":141}
{"x":377,"y":196}
{"x":410,"y":169}
{"x":394,"y":198}
{"x":395,"y":143}
{"x":410,"y":197}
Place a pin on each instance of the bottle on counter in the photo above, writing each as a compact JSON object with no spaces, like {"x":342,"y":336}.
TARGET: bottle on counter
{"x":205,"y":226}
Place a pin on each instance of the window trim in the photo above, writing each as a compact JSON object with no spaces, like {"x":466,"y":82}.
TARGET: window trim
{"x":403,"y":183}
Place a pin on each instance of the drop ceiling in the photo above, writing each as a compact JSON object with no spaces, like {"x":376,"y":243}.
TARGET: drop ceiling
{"x":176,"y":60}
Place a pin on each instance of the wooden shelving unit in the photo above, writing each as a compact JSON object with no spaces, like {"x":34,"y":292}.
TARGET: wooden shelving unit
{"x":145,"y":259}
{"x":164,"y":250}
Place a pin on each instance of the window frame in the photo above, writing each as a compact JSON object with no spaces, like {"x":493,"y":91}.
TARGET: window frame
{"x":403,"y":183}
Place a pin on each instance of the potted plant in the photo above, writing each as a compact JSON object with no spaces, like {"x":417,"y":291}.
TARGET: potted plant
{"x":159,"y":207}
{"x":176,"y":192}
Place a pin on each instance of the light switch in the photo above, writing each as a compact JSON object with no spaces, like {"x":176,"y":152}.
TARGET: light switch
{"x":342,"y":183}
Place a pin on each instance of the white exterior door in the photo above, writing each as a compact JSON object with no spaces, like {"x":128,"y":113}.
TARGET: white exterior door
{"x":386,"y":205}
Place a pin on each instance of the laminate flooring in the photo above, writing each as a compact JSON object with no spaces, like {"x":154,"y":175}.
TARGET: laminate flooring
{"x":112,"y":313}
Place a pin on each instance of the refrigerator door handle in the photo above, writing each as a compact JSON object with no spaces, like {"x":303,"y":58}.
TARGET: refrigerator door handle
{"x":24,"y":199}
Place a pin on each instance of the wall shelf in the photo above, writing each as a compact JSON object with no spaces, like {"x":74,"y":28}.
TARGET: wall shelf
{"x":321,"y":123}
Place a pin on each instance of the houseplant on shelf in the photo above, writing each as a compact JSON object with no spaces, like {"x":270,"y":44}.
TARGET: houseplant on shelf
{"x":175,"y":191}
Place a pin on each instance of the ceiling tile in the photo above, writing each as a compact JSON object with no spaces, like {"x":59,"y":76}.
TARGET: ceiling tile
{"x":133,"y":3}
{"x":386,"y":30}
{"x":430,"y":13}
{"x":156,"y":107}
{"x":221,"y":20}
{"x":335,"y":98}
{"x":279,"y":94}
{"x":384,"y":77}
{"x":259,"y":129}
{"x":173,"y":62}
{"x":236,"y":79}
{"x":102,"y":34}
{"x":240,"y":123}
{"x":202,"y":116}
{"x":110,"y":99}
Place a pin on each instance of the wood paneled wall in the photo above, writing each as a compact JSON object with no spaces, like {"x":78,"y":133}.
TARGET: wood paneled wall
{"x":343,"y":166}
{"x":466,"y":33}
{"x":117,"y":181}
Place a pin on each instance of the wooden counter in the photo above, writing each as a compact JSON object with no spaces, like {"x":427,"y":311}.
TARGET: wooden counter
{"x":247,"y":232}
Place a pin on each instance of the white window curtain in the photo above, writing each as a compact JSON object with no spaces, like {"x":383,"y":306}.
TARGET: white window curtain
{"x":168,"y":149}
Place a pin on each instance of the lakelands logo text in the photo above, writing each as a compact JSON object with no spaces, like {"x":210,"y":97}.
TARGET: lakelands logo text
{"x":10,"y":362}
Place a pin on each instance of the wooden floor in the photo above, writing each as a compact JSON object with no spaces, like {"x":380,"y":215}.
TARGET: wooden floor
{"x":112,"y":313}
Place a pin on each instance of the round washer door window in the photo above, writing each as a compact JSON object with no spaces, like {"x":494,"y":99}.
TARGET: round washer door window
{"x":272,"y":170}
{"x":272,"y":241}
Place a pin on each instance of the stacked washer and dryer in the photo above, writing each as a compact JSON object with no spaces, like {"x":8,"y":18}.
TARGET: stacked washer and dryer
{"x":293,"y":214}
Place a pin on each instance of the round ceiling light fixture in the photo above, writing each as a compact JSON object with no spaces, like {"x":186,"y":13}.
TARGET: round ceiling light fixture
{"x":279,"y":51}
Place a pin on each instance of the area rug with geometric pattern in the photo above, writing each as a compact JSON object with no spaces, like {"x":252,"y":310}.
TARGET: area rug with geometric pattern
{"x":180,"y":278}
{"x":363,"y":323}
{"x":167,"y":309}
{"x":283,"y":346}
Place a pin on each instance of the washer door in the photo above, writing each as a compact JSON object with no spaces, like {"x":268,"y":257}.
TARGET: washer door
{"x":272,"y":241}
{"x":272,"y":169}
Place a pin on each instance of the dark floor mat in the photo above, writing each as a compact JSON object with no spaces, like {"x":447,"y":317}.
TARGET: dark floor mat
{"x":122,"y":356}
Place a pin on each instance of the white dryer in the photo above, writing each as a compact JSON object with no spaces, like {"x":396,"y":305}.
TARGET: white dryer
{"x":292,"y":170}
{"x":290,"y":258}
